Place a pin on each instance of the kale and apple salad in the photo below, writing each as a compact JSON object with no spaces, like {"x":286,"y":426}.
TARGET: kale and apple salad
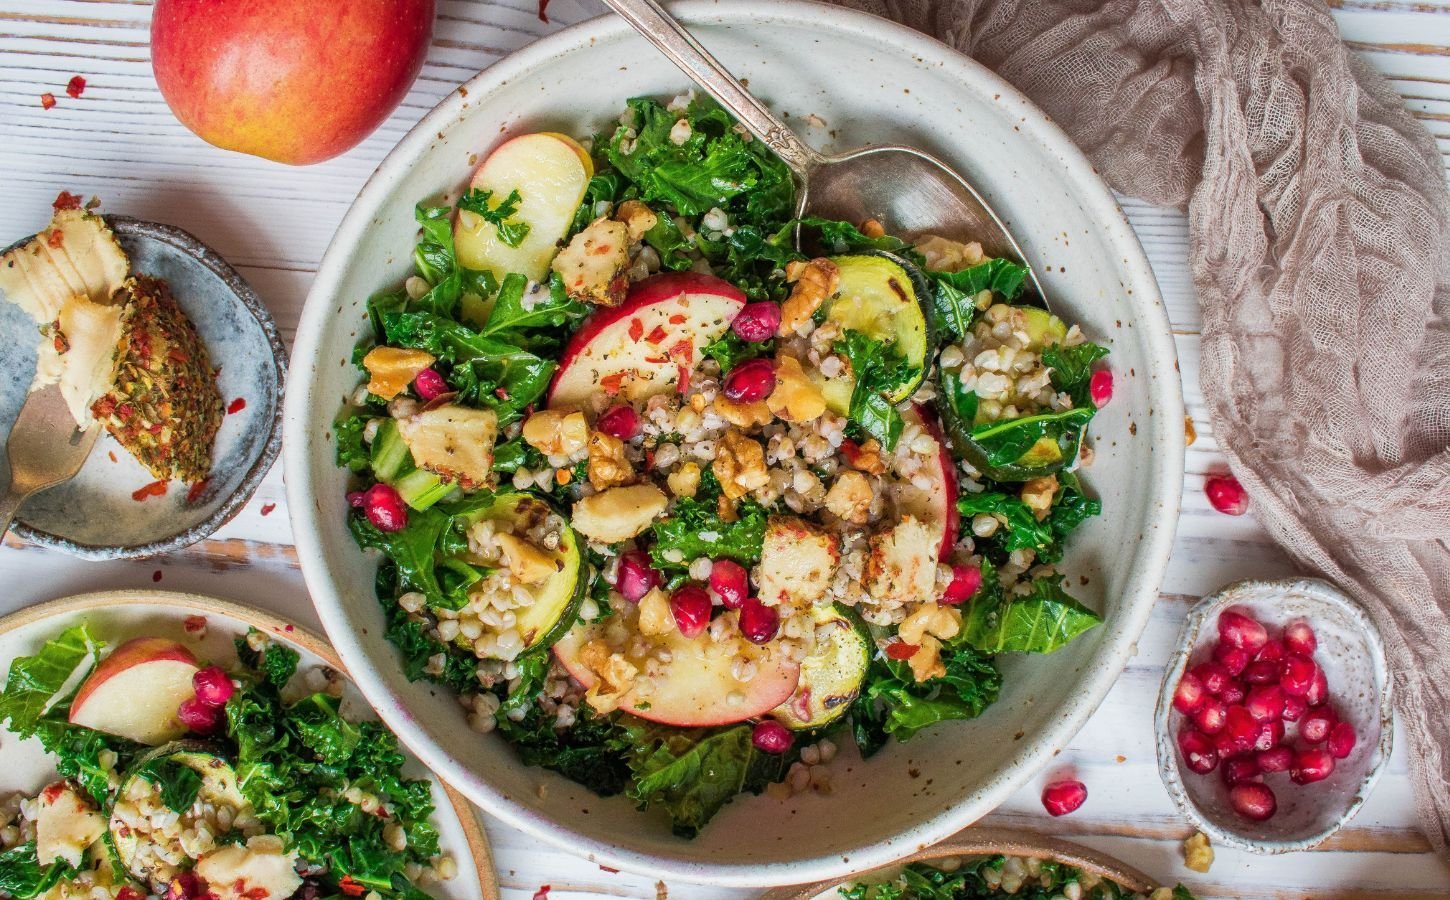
{"x":991,"y":877}
{"x":674,"y":507}
{"x":190,"y":781}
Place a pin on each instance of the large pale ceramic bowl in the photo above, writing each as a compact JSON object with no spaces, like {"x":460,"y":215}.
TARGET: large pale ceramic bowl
{"x":861,"y":79}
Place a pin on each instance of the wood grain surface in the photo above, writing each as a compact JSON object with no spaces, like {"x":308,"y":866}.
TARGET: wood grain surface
{"x":120,"y":142}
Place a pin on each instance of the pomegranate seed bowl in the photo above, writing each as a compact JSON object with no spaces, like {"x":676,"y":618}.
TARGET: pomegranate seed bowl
{"x":1275,"y":717}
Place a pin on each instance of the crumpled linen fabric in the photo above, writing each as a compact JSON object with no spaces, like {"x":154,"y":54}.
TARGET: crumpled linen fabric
{"x":1318,"y":219}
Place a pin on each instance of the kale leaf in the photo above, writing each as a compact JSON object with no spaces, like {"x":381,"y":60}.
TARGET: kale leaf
{"x":1072,"y":368}
{"x":179,"y":783}
{"x":878,"y":370}
{"x":1042,"y":621}
{"x":1019,"y":530}
{"x":954,"y":295}
{"x":695,"y":529}
{"x":351,"y":451}
{"x":730,"y":350}
{"x":893,"y":703}
{"x":37,"y":684}
{"x":22,"y":877}
{"x":511,"y":231}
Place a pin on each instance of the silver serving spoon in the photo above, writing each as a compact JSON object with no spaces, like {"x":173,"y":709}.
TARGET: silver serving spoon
{"x":44,"y":447}
{"x":911,"y":191}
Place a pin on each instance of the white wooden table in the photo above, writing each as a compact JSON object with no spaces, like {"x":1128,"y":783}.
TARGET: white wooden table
{"x":119,"y":141}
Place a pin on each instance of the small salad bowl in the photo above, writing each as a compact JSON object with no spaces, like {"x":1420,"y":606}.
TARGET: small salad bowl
{"x":1351,"y":654}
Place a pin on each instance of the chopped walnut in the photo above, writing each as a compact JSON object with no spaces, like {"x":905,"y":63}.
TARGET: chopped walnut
{"x":814,"y":282}
{"x":933,"y":619}
{"x":655,"y":617}
{"x":613,"y":676}
{"x":850,"y":497}
{"x":556,"y":433}
{"x":685,"y":480}
{"x":392,"y":369}
{"x":864,"y":457}
{"x":608,"y":466}
{"x":796,"y":398}
{"x":740,"y":464}
{"x":1197,"y":852}
{"x":594,"y":265}
{"x":925,"y":663}
{"x":636,"y":217}
{"x":1038,"y":494}
{"x":742,"y":415}
{"x":526,"y":563}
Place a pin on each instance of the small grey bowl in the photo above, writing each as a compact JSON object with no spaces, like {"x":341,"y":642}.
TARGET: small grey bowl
{"x":93,"y":515}
{"x":1352,"y":655}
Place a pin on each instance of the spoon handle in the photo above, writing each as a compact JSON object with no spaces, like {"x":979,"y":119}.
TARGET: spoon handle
{"x":670,"y":38}
{"x":10,"y":502}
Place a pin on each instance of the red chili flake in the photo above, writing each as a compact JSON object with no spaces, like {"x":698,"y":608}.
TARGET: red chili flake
{"x":683,"y":351}
{"x":289,"y":628}
{"x":611,"y":871}
{"x":500,"y":393}
{"x":156,"y":576}
{"x":544,"y":17}
{"x":901,"y":650}
{"x":55,"y":238}
{"x":542,"y":893}
{"x":194,"y":493}
{"x":194,"y":624}
{"x":154,"y":489}
{"x":47,"y":101}
{"x":267,"y":509}
{"x":684,"y":380}
{"x":112,"y":455}
{"x":677,"y":319}
{"x":76,"y":87}
{"x":612,"y":383}
{"x":52,"y":792}
{"x":350,"y":887}
{"x":66,"y":200}
{"x":656,"y":336}
{"x":636,"y":329}
{"x":236,"y":406}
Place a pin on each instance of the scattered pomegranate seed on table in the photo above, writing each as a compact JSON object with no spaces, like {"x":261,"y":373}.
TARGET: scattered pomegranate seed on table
{"x":1226,"y":495}
{"x":47,"y":101}
{"x":75,"y":87}
{"x":1062,"y":797}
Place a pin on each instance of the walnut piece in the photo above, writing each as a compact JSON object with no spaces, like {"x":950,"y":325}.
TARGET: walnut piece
{"x":637,"y":218}
{"x":865,"y":457}
{"x":740,"y":464}
{"x":814,"y":282}
{"x":1038,"y":493}
{"x":685,"y":480}
{"x":796,"y":398}
{"x":1197,"y":852}
{"x":613,"y":676}
{"x":742,"y":415}
{"x":556,"y":433}
{"x":608,"y":466}
{"x":655,"y":617}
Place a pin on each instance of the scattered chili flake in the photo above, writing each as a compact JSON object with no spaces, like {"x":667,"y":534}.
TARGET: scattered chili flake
{"x":658,"y":335}
{"x":236,"y":406}
{"x":55,"y":238}
{"x":611,"y":871}
{"x":543,"y":892}
{"x":636,"y":329}
{"x":156,"y":576}
{"x":47,"y":101}
{"x":612,"y":383}
{"x":52,"y":792}
{"x":194,"y":624}
{"x":112,"y":455}
{"x":194,"y":493}
{"x":677,"y":319}
{"x":66,"y":200}
{"x":683,"y":351}
{"x":154,"y":489}
{"x":75,"y":87}
{"x":267,"y":508}
{"x":350,"y":887}
{"x":901,"y":650}
{"x":543,"y":11}
{"x":684,"y":379}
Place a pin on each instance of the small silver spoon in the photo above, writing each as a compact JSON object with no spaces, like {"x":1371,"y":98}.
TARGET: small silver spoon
{"x":912,"y":191}
{"x":44,"y":447}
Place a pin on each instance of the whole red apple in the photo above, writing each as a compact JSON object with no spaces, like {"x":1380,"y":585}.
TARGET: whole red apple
{"x":297,"y":81}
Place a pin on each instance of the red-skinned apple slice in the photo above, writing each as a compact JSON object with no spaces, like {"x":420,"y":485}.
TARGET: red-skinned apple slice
{"x":693,"y":689}
{"x":938,"y":506}
{"x":134,"y":693}
{"x":642,"y":347}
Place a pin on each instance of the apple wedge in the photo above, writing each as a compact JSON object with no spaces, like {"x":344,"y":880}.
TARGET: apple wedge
{"x":650,"y":343}
{"x":550,"y":171}
{"x":134,"y":693}
{"x":692,"y":689}
{"x":936,"y":507}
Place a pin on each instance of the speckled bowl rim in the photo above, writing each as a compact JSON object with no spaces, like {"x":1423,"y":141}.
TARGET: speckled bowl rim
{"x":282,"y":629}
{"x":1201,"y":613}
{"x":995,"y":842}
{"x":238,"y":287}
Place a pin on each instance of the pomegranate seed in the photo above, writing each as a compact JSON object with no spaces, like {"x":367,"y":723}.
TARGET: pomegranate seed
{"x":186,"y":886}
{"x":1265,"y":703}
{"x":1316,"y":725}
{"x":1340,"y":742}
{"x":620,"y":422}
{"x":1234,"y":693}
{"x":1299,"y":638}
{"x":769,"y":736}
{"x":758,"y":622}
{"x":1296,"y":674}
{"x":1318,"y":689}
{"x":1273,"y":650}
{"x":750,"y":381}
{"x":1189,"y":694}
{"x":384,"y":507}
{"x":1211,"y":716}
{"x":1228,"y":747}
{"x":730,"y":582}
{"x":1100,"y":387}
{"x":1226,"y":495}
{"x":1270,"y":735}
{"x":355,"y":498}
{"x":757,"y":322}
{"x":1239,"y":630}
{"x":1252,"y":800}
{"x":212,"y":686}
{"x":1213,"y":676}
{"x":198,"y":717}
{"x":1241,"y":769}
{"x":1062,"y":797}
{"x":901,"y":650}
{"x":1198,"y":751}
{"x":1275,"y":759}
{"x":1294,"y":708}
{"x":1240,"y":726}
{"x":636,"y":577}
{"x":1262,"y":671}
{"x":965,"y":582}
{"x":1233,"y":659}
{"x":690,"y":606}
{"x":1310,"y":765}
{"x":429,"y":384}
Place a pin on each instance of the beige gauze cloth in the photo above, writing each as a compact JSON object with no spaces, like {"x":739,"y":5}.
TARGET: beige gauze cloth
{"x":1318,"y":215}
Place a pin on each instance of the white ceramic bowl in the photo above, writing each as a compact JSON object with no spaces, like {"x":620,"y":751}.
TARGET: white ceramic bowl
{"x":1352,"y":655}
{"x":866,"y":79}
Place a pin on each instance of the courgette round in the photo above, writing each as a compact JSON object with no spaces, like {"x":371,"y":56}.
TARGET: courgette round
{"x":831,"y":677}
{"x":557,"y":600}
{"x":146,"y":782}
{"x":880,"y":297}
